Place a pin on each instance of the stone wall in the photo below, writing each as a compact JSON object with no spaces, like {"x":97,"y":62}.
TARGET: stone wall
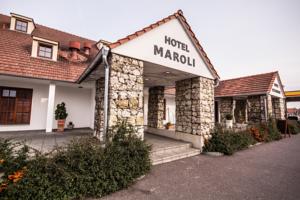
{"x":256,"y":108}
{"x":225,"y":105}
{"x":278,"y":108}
{"x":99,"y":109}
{"x":156,"y":107}
{"x":126,"y":92}
{"x":195,"y":106}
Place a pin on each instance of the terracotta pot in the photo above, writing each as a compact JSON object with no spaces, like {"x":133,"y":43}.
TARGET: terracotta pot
{"x":61,"y":125}
{"x":229,"y":123}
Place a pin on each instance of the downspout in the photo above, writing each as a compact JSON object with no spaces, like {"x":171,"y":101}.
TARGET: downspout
{"x":105,"y":51}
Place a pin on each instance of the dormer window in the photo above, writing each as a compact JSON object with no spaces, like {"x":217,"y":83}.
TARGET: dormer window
{"x":44,"y":48}
{"x":21,"y":23}
{"x":45,"y":51}
{"x":21,"y":26}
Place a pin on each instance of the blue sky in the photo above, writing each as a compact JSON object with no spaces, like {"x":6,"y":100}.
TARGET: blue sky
{"x":241,"y":37}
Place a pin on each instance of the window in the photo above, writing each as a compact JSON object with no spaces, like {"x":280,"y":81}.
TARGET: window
{"x":21,"y":25}
{"x":45,"y":51}
{"x":15,"y":105}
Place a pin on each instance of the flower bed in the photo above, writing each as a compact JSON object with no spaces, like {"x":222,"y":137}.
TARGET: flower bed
{"x":82,"y":169}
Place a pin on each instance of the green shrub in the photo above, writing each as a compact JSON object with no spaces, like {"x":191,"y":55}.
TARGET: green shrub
{"x":293,"y":127}
{"x":272,"y":131}
{"x":84,"y":168}
{"x":228,"y":142}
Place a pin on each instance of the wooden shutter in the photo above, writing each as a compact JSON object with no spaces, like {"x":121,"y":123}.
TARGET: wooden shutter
{"x":15,"y":108}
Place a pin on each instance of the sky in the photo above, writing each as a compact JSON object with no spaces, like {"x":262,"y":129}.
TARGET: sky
{"x":241,"y":37}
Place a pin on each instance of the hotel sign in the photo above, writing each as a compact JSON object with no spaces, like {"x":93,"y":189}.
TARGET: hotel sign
{"x":174,"y":54}
{"x":167,"y":45}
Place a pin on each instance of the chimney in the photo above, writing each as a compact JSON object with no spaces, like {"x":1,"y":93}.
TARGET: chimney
{"x":74,"y":46}
{"x":87,"y":48}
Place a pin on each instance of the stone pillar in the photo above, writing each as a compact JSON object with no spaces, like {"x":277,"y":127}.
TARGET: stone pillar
{"x":126,"y":92}
{"x":269,"y":106}
{"x":279,"y":110}
{"x":263,"y":108}
{"x":156,"y":107}
{"x":195,"y":106}
{"x":233,"y":109}
{"x":99,"y":109}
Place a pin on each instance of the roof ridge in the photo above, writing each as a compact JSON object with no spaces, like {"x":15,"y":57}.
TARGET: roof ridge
{"x":242,"y":77}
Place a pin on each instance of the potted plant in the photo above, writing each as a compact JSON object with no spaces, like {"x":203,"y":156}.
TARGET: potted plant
{"x":61,"y":115}
{"x":168,"y":125}
{"x":229,"y":121}
{"x":71,"y":125}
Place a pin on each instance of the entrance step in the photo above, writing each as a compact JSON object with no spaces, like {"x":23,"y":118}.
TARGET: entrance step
{"x":166,"y":149}
{"x":171,"y":154}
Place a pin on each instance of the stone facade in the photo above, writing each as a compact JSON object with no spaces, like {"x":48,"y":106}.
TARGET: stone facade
{"x":225,"y":106}
{"x":126,"y":92}
{"x":125,"y":99}
{"x":278,"y":108}
{"x":257,"y":107}
{"x":99,"y":109}
{"x":156,"y":107}
{"x":195,"y":106}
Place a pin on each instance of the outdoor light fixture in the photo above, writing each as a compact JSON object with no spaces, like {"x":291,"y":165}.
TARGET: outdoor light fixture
{"x":146,"y":79}
{"x":167,"y":72}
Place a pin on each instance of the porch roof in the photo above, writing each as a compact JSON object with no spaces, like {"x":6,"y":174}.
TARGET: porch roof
{"x":248,"y":85}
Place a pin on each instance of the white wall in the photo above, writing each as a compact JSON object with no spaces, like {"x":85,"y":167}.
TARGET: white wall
{"x":38,"y":107}
{"x":78,"y":104}
{"x":276,"y":81}
{"x":142,"y":48}
{"x":170,"y":109}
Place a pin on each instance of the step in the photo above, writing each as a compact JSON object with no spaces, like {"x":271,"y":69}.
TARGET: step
{"x":166,"y":149}
{"x":175,"y":154}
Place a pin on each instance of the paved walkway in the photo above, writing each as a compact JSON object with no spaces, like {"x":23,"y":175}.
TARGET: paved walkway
{"x":45,"y":142}
{"x":268,"y":171}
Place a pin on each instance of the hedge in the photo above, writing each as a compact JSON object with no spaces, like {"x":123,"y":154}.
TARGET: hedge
{"x":82,"y":169}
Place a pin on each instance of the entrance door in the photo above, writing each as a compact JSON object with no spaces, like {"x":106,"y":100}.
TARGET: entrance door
{"x":240,"y":111}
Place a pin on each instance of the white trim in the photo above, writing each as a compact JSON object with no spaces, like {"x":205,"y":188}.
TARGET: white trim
{"x":50,"y":109}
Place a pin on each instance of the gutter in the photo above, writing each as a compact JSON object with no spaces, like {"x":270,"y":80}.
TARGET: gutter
{"x":105,"y":50}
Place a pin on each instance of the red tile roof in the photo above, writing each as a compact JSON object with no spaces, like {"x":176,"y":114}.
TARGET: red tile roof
{"x":248,"y":85}
{"x":181,"y":18}
{"x":15,"y":54}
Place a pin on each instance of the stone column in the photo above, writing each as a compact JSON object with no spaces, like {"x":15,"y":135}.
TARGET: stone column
{"x":126,"y":92}
{"x":195,"y":106}
{"x":99,"y":110}
{"x":263,"y":108}
{"x":233,"y":109}
{"x":156,"y":107}
{"x":279,"y":110}
{"x":269,"y":106}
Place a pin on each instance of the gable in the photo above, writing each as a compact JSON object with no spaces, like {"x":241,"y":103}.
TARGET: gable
{"x":168,"y":45}
{"x":277,"y":88}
